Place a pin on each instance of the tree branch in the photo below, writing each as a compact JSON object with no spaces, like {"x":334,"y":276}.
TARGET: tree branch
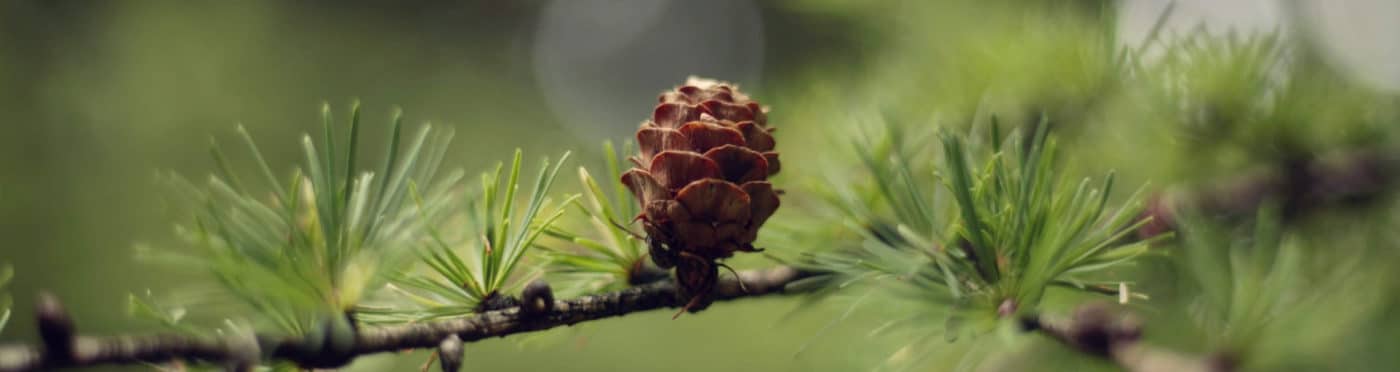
{"x":1299,"y":185}
{"x":1096,"y":331}
{"x":86,"y":351}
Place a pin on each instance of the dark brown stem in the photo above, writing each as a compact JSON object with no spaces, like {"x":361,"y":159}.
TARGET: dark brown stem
{"x":1299,"y":185}
{"x":1095,"y":330}
{"x":89,"y":351}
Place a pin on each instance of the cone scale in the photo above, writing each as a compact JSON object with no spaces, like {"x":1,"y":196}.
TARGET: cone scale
{"x":701,"y":177}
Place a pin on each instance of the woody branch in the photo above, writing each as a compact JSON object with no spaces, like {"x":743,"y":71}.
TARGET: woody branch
{"x":63,"y":347}
{"x":1302,"y":186}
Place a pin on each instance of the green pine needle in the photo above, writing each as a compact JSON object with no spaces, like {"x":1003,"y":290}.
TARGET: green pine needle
{"x":1272,"y":297}
{"x":602,"y":254}
{"x":485,"y":262}
{"x":321,"y":242}
{"x":1015,"y":226}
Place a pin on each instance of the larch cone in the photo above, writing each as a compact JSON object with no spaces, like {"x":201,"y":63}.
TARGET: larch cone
{"x":702,"y":180}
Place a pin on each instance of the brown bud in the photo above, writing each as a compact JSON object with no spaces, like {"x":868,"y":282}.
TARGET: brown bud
{"x":55,"y":327}
{"x":537,"y":299}
{"x":244,"y":353}
{"x":450,"y":353}
{"x":496,"y":301}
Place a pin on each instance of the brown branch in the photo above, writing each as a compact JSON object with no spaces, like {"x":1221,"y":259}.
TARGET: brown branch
{"x":1095,"y":330}
{"x":62,"y":348}
{"x":1298,"y":185}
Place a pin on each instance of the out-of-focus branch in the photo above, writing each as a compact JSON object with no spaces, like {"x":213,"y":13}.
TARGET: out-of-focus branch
{"x":1299,"y":186}
{"x":62,"y":347}
{"x":1097,"y":331}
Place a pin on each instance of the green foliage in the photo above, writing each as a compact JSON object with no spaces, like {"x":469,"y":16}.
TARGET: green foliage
{"x":955,"y":231}
{"x":1210,"y":81}
{"x":1275,"y":300}
{"x":309,"y":247}
{"x":1023,"y":232}
{"x":1230,"y":101}
{"x":1012,"y":58}
{"x":1015,"y":228}
{"x":605,"y":254}
{"x":484,"y":264}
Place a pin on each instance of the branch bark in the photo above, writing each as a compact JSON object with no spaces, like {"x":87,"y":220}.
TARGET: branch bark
{"x":1299,"y":185}
{"x":86,"y":351}
{"x":1095,"y":330}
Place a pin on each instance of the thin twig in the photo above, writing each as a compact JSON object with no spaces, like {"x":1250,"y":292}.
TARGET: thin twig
{"x":86,"y":351}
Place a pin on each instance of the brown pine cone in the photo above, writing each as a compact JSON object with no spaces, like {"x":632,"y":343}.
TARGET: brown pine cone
{"x":702,"y":180}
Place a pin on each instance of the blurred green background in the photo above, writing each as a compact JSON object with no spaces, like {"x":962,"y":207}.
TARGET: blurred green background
{"x":99,"y":96}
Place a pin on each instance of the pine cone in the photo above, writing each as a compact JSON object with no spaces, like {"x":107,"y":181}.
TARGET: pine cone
{"x":702,"y":180}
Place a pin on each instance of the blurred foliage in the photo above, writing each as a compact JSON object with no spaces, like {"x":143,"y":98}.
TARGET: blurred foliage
{"x":1230,"y":101}
{"x":309,"y":248}
{"x":1269,"y":300}
{"x":98,"y":95}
